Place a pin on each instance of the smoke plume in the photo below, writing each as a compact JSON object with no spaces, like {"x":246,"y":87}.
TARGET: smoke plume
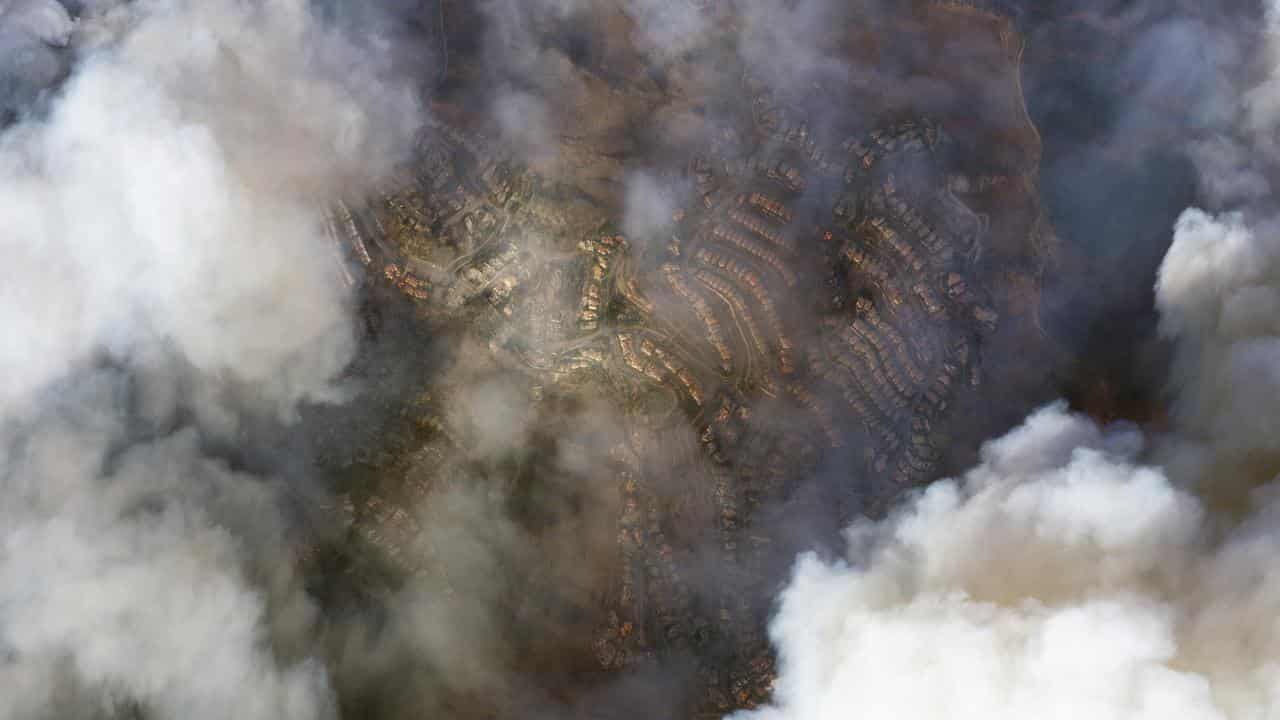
{"x":1071,"y":573}
{"x":166,"y":282}
{"x":1059,"y":578}
{"x":1079,"y":570}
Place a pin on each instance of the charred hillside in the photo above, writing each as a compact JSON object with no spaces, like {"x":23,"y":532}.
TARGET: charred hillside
{"x":695,"y":313}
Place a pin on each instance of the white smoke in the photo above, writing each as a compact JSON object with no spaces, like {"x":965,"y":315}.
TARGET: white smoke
{"x":134,"y":583}
{"x":651,"y":202}
{"x":163,"y":218}
{"x":1081,"y":571}
{"x":525,"y":125}
{"x":1218,"y":289}
{"x":167,"y":164}
{"x":1060,"y":578}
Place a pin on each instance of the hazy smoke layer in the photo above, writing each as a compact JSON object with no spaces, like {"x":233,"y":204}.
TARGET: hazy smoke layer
{"x":165,"y":278}
{"x":1076,"y":572}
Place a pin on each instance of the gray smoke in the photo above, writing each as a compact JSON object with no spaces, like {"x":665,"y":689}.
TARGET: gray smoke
{"x":33,"y":39}
{"x":166,"y":281}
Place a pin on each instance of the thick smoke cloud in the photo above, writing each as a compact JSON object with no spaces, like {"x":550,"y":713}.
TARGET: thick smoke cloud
{"x":1059,"y":578}
{"x":1218,"y":284}
{"x":216,"y":161}
{"x":135,"y":584}
{"x":166,"y":279}
{"x":1218,"y":288}
{"x":1081,"y":570}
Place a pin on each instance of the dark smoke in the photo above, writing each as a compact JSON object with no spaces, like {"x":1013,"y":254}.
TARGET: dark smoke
{"x":1128,"y":96}
{"x":34,"y":35}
